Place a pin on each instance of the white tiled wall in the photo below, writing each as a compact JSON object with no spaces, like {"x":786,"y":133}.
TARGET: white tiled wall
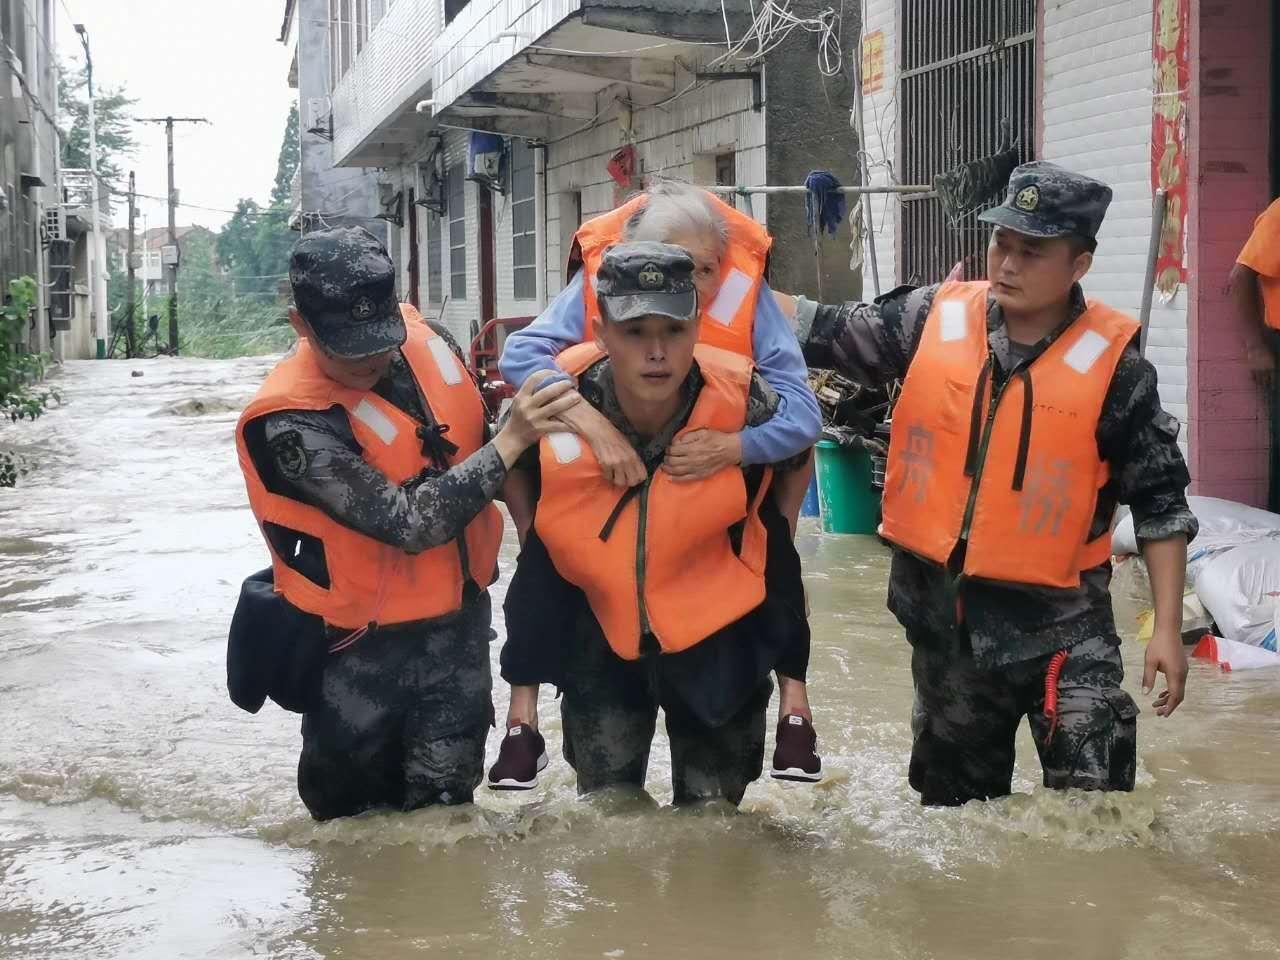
{"x":1097,"y":120}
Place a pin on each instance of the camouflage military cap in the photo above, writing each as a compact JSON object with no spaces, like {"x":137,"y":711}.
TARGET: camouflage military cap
{"x":344,"y":285}
{"x":1045,"y":200}
{"x":643,"y":278}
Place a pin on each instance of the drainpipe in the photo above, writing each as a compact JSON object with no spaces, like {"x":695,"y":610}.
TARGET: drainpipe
{"x":541,"y":199}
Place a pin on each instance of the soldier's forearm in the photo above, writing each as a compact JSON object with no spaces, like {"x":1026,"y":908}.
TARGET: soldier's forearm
{"x":1167,"y":568}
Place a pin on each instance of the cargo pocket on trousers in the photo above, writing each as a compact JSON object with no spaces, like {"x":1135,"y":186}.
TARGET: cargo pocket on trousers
{"x":1101,"y":752}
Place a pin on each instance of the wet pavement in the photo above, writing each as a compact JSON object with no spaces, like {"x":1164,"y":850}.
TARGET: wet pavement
{"x":143,"y":816}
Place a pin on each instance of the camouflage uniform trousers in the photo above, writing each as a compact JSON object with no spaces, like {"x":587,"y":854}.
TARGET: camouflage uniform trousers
{"x":965,"y":720}
{"x":401,"y":718}
{"x":609,"y":712}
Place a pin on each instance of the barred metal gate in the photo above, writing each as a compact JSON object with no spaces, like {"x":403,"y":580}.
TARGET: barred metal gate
{"x":968,"y":66}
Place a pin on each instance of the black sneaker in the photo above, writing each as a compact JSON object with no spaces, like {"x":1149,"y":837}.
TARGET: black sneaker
{"x":522,"y":756}
{"x":796,"y":756}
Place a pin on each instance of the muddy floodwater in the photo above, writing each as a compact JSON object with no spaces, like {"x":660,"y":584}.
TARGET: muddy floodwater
{"x":143,"y":816}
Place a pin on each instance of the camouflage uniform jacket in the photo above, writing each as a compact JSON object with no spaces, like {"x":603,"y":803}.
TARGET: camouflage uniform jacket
{"x":1008,"y":623}
{"x":312,"y":456}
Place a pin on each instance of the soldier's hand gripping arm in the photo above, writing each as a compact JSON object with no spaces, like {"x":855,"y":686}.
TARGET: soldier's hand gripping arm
{"x":317,"y":456}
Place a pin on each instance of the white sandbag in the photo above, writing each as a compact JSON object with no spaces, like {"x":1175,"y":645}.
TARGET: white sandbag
{"x":1241,"y":589}
{"x":1234,"y":656}
{"x":1219,"y":520}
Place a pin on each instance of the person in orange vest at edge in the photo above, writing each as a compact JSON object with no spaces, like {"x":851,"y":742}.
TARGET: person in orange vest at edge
{"x":1027,"y":414}
{"x":1255,"y":292}
{"x":679,"y":594}
{"x":739,"y":313}
{"x":370,"y":472}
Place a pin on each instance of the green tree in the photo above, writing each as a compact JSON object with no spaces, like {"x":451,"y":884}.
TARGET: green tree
{"x":115,"y":132}
{"x":287,"y":164}
{"x":19,"y":399}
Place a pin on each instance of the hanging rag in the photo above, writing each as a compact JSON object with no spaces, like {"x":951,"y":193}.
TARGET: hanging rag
{"x":823,"y":202}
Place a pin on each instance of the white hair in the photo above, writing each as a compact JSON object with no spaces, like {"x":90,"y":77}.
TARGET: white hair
{"x":672,"y":209}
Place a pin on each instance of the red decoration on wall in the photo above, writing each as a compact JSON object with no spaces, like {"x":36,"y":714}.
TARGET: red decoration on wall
{"x":622,"y":166}
{"x":1170,"y":48}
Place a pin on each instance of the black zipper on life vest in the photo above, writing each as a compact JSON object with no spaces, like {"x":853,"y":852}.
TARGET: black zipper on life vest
{"x":648,"y":642}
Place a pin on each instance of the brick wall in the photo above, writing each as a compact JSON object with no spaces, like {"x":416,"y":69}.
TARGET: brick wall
{"x":1230,"y":186}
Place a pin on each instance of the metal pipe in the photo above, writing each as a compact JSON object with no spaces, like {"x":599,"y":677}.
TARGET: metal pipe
{"x":884,"y":188}
{"x":1159,"y":205}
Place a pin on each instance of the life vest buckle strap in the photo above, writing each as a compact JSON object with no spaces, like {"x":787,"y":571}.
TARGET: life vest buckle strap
{"x":630,"y":494}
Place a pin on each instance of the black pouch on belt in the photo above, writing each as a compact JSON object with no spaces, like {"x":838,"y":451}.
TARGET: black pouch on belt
{"x":273,"y":649}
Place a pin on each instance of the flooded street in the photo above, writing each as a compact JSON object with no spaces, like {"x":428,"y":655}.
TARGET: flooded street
{"x":142,"y":815}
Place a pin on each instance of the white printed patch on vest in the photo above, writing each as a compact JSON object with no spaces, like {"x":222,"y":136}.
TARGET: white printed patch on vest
{"x":566,"y":446}
{"x":955,"y":318}
{"x":733,"y":291}
{"x":1086,"y":351}
{"x":446,"y":360}
{"x":375,"y":420}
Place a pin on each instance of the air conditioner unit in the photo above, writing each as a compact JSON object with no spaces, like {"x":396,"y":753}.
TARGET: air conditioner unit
{"x":429,"y":191}
{"x":488,"y":165}
{"x":486,"y":152}
{"x":319,"y":117}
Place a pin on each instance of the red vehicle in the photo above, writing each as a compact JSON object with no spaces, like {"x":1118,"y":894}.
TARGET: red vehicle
{"x":486,"y":348}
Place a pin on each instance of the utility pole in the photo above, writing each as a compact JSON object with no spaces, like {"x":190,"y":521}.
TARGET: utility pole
{"x":98,"y":277}
{"x":129,"y":341}
{"x":172,"y":252}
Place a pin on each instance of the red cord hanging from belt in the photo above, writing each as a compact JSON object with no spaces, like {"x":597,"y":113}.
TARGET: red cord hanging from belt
{"x":1051,"y":677}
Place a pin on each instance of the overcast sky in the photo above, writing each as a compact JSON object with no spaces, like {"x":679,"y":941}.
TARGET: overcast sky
{"x":219,"y":59}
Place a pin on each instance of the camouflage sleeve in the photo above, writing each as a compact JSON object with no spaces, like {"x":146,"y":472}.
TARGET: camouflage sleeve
{"x":316,"y":456}
{"x":762,"y":402}
{"x":1139,"y":441}
{"x":872,"y":343}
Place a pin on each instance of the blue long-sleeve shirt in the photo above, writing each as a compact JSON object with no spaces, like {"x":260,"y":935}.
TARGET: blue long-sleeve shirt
{"x":792,"y":430}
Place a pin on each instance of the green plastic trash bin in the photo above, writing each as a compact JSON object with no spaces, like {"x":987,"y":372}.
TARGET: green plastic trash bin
{"x":850,"y":504}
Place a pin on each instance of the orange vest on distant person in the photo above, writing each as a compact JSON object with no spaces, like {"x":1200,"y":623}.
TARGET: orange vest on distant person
{"x":657,"y":559}
{"x":369,"y":581}
{"x":728,"y":322}
{"x":1018,"y":482}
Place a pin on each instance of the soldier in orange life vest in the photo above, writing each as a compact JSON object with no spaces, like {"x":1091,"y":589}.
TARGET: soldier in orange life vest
{"x":683,"y":595}
{"x":370,"y":472}
{"x":1027,"y":414}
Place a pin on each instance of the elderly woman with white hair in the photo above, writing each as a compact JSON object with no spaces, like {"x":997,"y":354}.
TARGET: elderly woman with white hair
{"x":739,"y":314}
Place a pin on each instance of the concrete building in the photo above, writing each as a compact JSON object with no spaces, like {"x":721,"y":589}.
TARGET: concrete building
{"x":33,"y":224}
{"x":326,"y":194}
{"x":1139,"y":93}
{"x":565,"y":85}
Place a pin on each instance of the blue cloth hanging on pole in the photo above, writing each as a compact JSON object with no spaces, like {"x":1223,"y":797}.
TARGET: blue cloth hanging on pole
{"x":823,"y":202}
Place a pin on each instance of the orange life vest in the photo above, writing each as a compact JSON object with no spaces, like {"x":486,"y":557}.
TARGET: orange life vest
{"x":1017,"y":478}
{"x":728,"y":321}
{"x":369,"y":581}
{"x":663,"y":565}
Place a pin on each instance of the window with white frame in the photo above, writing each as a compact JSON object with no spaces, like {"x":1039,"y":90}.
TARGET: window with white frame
{"x":524,"y":223}
{"x":435,"y":237}
{"x":456,"y":211}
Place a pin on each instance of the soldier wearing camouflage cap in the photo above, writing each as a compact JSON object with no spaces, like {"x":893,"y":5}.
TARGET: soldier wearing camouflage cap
{"x":679,"y":594}
{"x":1027,"y":415}
{"x":368,"y":466}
